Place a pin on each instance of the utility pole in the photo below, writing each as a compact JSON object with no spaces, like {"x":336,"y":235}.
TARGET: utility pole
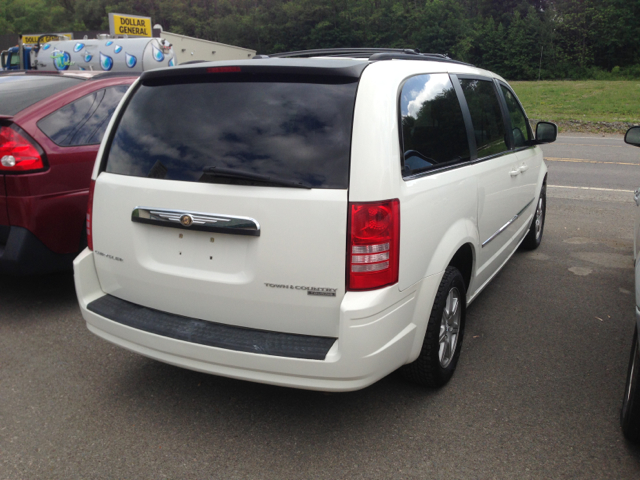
{"x":21,"y":53}
{"x":540,"y":66}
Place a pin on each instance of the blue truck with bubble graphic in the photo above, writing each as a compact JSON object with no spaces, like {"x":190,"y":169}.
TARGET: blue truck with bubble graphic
{"x":102,"y":54}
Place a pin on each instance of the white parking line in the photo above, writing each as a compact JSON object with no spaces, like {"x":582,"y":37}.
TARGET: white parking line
{"x":582,"y":160}
{"x":592,"y":145}
{"x":591,"y":188}
{"x":594,"y":138}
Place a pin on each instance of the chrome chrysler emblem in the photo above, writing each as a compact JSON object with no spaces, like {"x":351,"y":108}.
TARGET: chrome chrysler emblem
{"x":186,"y":220}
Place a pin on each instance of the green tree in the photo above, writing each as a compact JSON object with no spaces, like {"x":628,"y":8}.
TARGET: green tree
{"x":440,"y":27}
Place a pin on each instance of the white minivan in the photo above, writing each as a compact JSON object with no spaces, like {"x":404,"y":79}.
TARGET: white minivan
{"x":312,"y":219}
{"x":630,"y":412}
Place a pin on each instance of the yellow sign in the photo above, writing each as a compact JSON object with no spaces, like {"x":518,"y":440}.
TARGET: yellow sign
{"x":130,"y":25}
{"x":33,"y":39}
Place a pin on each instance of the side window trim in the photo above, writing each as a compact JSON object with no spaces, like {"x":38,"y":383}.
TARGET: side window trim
{"x":459,"y":165}
{"x":466,"y":115}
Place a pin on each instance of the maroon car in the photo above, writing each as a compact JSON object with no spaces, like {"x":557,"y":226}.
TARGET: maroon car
{"x":51,"y":126}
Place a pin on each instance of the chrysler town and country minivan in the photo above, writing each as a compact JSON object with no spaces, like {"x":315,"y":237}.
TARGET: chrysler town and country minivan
{"x":313,"y":219}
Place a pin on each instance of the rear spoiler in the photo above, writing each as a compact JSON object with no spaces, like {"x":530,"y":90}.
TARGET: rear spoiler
{"x":326,"y":67}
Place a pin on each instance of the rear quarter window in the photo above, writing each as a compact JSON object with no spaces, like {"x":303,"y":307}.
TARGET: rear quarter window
{"x":294,"y":129}
{"x":433,"y":129}
{"x":18,"y":92}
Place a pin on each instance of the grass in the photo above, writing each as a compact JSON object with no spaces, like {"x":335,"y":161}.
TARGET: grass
{"x":585,"y":101}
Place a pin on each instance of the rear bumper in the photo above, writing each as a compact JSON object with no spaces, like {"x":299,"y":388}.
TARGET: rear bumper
{"x":376,"y":336}
{"x":21,"y":253}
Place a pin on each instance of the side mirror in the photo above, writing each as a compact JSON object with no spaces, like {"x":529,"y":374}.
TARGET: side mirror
{"x":546,"y":132}
{"x":632,"y":137}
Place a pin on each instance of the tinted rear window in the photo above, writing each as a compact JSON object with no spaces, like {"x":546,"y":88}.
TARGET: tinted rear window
{"x":21,"y":91}
{"x":291,"y":130}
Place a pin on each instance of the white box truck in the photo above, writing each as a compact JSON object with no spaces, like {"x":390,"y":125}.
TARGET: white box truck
{"x":189,"y":49}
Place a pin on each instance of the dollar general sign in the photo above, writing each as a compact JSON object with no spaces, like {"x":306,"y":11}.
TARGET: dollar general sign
{"x":130,"y":25}
{"x":45,"y":38}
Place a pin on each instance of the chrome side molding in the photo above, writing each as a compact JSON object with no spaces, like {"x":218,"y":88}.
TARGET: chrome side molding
{"x":203,"y":222}
{"x":506,"y":225}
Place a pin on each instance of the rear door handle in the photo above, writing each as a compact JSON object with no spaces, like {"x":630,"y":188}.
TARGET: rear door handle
{"x":515,"y":173}
{"x":524,"y":167}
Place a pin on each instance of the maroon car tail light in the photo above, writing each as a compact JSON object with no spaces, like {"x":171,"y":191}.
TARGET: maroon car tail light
{"x":17,"y":153}
{"x":374,"y":245}
{"x":90,"y":216}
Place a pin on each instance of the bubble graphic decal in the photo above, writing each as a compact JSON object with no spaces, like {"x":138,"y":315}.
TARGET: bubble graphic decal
{"x":87,"y":57}
{"x":78,"y":47}
{"x":117,"y":49}
{"x":158,"y":56}
{"x":110,"y":42}
{"x":82,"y":68}
{"x":46,"y":46}
{"x":172,"y":62}
{"x":61,"y":60}
{"x":106,"y":62}
{"x":130,"y":60}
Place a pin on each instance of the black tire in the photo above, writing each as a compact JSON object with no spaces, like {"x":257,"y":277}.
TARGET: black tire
{"x":630,"y":412}
{"x":534,"y":236}
{"x":434,"y":368}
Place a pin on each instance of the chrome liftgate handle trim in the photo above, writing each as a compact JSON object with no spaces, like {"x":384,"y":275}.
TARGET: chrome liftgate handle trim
{"x":202,"y":222}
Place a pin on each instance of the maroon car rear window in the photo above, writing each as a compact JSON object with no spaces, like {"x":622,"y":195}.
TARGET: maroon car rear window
{"x":18,"y":92}
{"x":84,"y":121}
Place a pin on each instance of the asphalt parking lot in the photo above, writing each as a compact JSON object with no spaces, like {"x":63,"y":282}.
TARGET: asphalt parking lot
{"x":536,"y":394}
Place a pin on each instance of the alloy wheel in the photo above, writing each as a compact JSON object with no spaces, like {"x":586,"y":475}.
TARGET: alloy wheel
{"x":449,"y":327}
{"x":539,"y":218}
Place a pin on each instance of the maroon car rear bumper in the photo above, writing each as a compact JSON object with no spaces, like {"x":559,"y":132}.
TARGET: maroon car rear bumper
{"x":21,"y":253}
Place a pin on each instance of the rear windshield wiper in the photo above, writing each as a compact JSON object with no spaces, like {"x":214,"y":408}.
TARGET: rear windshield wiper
{"x":222,"y":172}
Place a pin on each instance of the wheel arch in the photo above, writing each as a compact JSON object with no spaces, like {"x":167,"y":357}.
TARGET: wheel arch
{"x":463,"y":257}
{"x":464,"y":260}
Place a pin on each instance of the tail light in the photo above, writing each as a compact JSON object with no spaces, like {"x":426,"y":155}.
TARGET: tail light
{"x":17,"y":153}
{"x":374,"y":244}
{"x":90,"y":216}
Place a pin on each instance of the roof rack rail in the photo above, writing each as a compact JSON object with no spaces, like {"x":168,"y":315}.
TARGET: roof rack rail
{"x":373,"y":54}
{"x":341,"y":52}
{"x":429,"y":57}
